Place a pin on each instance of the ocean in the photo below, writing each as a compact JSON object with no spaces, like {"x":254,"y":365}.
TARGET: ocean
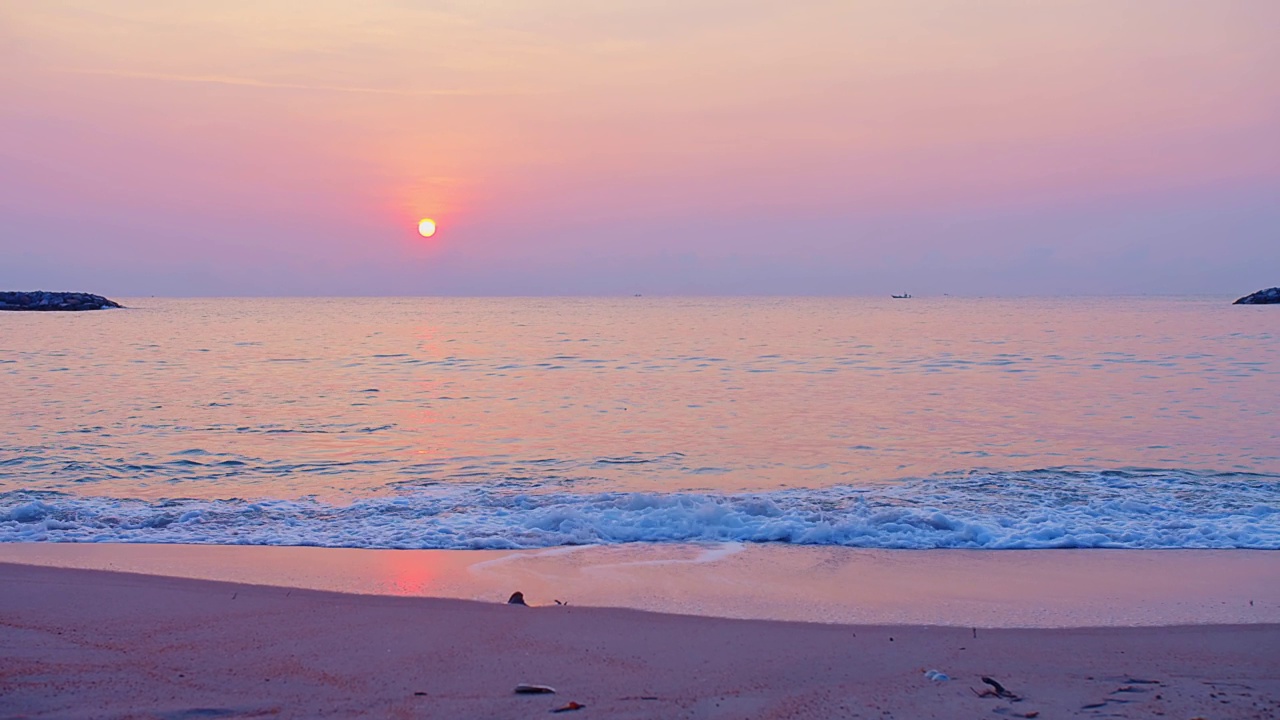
{"x":510,"y":423}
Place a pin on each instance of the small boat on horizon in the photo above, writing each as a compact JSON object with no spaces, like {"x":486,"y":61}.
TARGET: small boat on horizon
{"x":903,"y":296}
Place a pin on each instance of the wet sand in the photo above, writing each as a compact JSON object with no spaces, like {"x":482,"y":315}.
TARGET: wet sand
{"x":83,"y":643}
{"x":983,"y":588}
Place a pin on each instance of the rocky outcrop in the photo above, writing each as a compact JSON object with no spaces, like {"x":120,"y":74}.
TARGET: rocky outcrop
{"x":1270,"y":296}
{"x":41,"y":300}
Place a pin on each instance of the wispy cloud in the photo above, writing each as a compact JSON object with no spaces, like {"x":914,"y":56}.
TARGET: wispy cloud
{"x":272,"y":84}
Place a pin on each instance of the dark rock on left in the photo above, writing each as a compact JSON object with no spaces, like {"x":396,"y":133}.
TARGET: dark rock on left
{"x":41,"y":300}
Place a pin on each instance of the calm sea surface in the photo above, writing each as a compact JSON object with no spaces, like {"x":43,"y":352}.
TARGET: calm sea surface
{"x":541,"y":422}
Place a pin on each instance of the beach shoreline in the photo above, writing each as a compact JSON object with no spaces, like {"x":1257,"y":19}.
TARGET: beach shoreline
{"x":961,"y":588}
{"x":87,"y":643}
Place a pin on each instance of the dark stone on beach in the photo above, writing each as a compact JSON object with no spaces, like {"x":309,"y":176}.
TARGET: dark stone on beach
{"x":44,"y":301}
{"x":1270,"y":296}
{"x":517,"y":598}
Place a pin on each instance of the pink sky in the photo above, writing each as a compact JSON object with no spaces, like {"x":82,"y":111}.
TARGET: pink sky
{"x":692,"y":146}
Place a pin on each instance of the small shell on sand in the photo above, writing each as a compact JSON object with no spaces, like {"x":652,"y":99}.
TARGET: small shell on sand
{"x":527,"y":689}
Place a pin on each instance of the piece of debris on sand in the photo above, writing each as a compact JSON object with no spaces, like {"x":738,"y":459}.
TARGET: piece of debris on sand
{"x":530,"y":689}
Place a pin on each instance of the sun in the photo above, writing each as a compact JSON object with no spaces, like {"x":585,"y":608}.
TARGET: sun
{"x":426,"y":227}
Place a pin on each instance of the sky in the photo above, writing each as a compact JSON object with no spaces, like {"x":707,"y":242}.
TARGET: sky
{"x":588,"y":147}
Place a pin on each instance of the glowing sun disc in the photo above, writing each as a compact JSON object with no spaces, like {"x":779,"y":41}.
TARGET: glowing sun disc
{"x":427,"y":227}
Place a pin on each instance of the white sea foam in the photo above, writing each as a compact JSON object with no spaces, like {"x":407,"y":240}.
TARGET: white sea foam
{"x":1042,"y":509}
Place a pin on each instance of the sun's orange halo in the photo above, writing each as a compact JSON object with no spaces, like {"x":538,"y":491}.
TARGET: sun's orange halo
{"x":426,"y":227}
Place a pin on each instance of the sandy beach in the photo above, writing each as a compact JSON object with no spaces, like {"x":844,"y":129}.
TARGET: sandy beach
{"x":92,"y":644}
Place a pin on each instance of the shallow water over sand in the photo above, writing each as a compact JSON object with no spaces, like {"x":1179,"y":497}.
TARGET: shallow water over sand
{"x":1066,"y":588}
{"x":1132,"y":422}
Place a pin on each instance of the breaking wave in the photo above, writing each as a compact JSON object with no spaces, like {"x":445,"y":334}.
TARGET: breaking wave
{"x":1024,"y":510}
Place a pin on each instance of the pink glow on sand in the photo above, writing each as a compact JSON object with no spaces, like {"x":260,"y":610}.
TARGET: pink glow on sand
{"x":1002,"y":588}
{"x":193,"y":148}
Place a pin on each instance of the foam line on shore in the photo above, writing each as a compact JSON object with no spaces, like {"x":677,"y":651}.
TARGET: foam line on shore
{"x":1137,"y":509}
